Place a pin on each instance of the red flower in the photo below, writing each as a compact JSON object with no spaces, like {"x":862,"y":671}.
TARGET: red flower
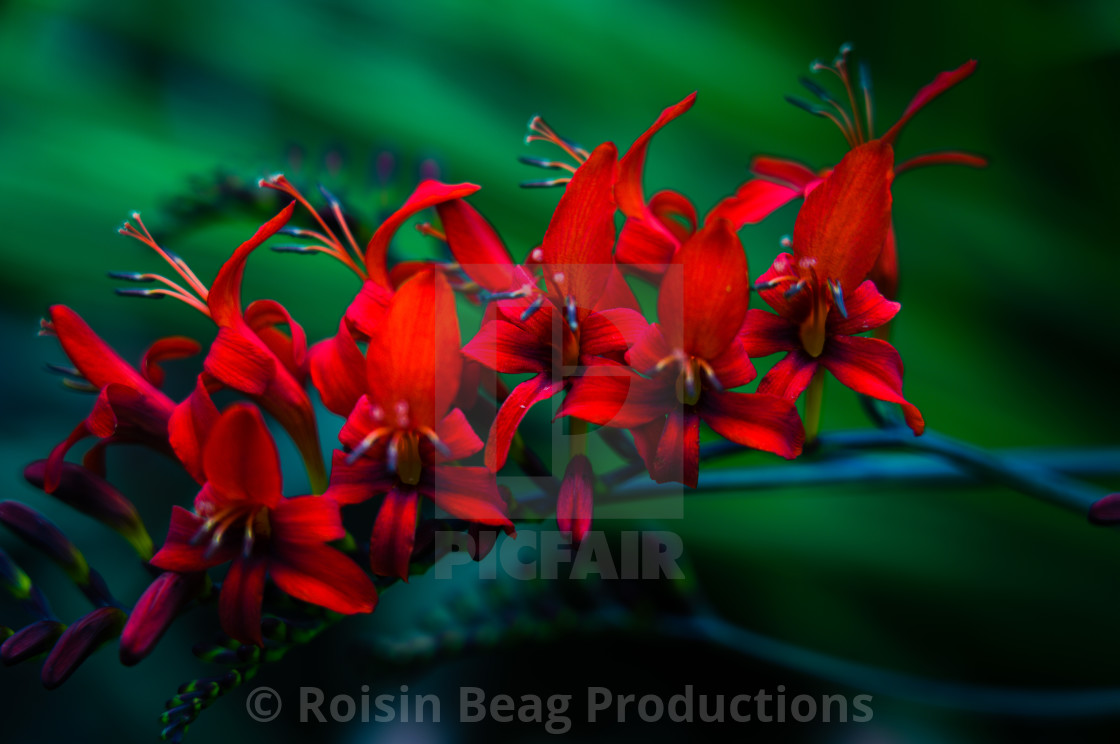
{"x":402,"y":429}
{"x":820,"y":294}
{"x":241,"y":516}
{"x":780,"y":180}
{"x":695,"y":356}
{"x":249,"y":355}
{"x":129,"y":406}
{"x":585,"y":311}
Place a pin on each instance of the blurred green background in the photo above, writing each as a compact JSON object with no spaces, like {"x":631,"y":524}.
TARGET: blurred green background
{"x":1008,"y":329}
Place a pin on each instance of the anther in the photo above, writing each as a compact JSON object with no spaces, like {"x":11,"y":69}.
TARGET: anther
{"x":528,"y":312}
{"x":130,"y":276}
{"x":570,"y":311}
{"x":155,"y":294}
{"x":785,"y":241}
{"x":794,"y":289}
{"x":838,"y":296}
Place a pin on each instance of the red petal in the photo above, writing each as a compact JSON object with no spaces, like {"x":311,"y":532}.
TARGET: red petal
{"x":944,"y":157}
{"x":57,"y":456}
{"x":418,"y":363}
{"x":943,"y":82}
{"x":173,"y":347}
{"x":367,"y":311}
{"x":628,"y":190}
{"x":323,"y":576}
{"x":675,"y":212}
{"x":179,"y":554}
{"x":240,"y":361}
{"x":645,"y":246}
{"x":884,"y":273}
{"x":306,"y":519}
{"x":338,"y":371}
{"x":427,"y":194}
{"x":701,"y":309}
{"x":610,"y":331}
{"x":650,"y":348}
{"x":290,"y":348}
{"x":765,"y":333}
{"x":867,"y":309}
{"x":754,"y":201}
{"x":190,"y":426}
{"x":394,"y":533}
{"x":574,"y":506}
{"x":102,"y":420}
{"x":357,"y":482}
{"x":94,"y":358}
{"x":470,"y":493}
{"x":224,"y":299}
{"x":513,"y":410}
{"x":617,"y":294}
{"x":871,"y":367}
{"x":154,"y":612}
{"x":580,"y":238}
{"x":733,"y":367}
{"x":512,"y":348}
{"x":614,"y":395}
{"x":785,"y":171}
{"x":476,"y":246}
{"x":458,"y":436}
{"x":678,"y":452}
{"x":790,"y":376}
{"x":792,"y":309}
{"x":843,"y":223}
{"x":240,"y":459}
{"x":240,"y":603}
{"x":764,"y":422}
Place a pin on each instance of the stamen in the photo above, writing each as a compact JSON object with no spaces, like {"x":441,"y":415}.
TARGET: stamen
{"x":425,"y":228}
{"x":710,"y":375}
{"x":838,"y":296}
{"x":546,"y":164}
{"x":392,"y":453}
{"x":570,"y":311}
{"x":548,"y":184}
{"x":528,"y":312}
{"x":306,"y":249}
{"x":437,"y":443}
{"x":333,"y":246}
{"x":58,"y":369}
{"x":247,"y":540}
{"x":80,"y":386}
{"x":178,"y":264}
{"x":865,"y":86}
{"x":336,"y":209}
{"x":785,"y":241}
{"x":542,"y":132}
{"x":818,"y":111}
{"x":794,"y":289}
{"x":369,"y":440}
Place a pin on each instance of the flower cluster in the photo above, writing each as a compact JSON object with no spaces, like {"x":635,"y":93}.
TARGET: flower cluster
{"x":430,"y":420}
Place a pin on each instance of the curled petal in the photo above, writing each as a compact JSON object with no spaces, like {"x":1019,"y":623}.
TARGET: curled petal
{"x":675,"y":212}
{"x":785,"y":171}
{"x":753,"y":202}
{"x":190,"y":426}
{"x":79,"y":641}
{"x":367,"y":311}
{"x":645,"y":246}
{"x":867,"y":309}
{"x":240,"y":459}
{"x":872,"y":367}
{"x":427,"y":194}
{"x":513,"y":410}
{"x":477,"y":248}
{"x":628,"y":190}
{"x":93,"y":358}
{"x":944,"y":157}
{"x":224,"y":299}
{"x":174,"y":347}
{"x":241,"y":361}
{"x":943,"y":82}
{"x":263,"y":317}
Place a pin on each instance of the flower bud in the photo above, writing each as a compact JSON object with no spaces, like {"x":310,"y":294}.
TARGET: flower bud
{"x":79,"y":641}
{"x":160,"y":604}
{"x":37,"y":638}
{"x":38,"y":532}
{"x":95,"y":497}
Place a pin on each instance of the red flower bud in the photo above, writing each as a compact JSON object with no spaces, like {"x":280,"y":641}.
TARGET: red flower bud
{"x":79,"y":641}
{"x":37,"y":638}
{"x":160,"y":604}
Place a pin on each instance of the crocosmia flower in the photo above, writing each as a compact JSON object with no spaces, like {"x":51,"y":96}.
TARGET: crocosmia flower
{"x":241,"y":517}
{"x":692,"y":357}
{"x":819,"y":292}
{"x":402,"y":434}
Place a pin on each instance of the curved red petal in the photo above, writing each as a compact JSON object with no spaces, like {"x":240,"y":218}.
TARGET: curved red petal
{"x":179,"y":553}
{"x":290,"y":348}
{"x":458,"y":436}
{"x":753,"y":202}
{"x":610,"y":331}
{"x":470,"y":493}
{"x":353,"y":483}
{"x":190,"y":426}
{"x":512,"y":348}
{"x":785,"y":171}
{"x":91,"y":356}
{"x":476,"y":246}
{"x":678,"y":452}
{"x":867,"y":309}
{"x":578,"y":243}
{"x":238,"y":359}
{"x":844,"y":221}
{"x":323,"y":576}
{"x":765,"y":333}
{"x":650,"y":348}
{"x":394,"y":533}
{"x":239,"y":606}
{"x":872,"y":367}
{"x":942,"y":157}
{"x":306,"y":519}
{"x":173,"y":347}
{"x":675,"y":212}
{"x":338,"y":371}
{"x":427,"y":194}
{"x":224,"y":299}
{"x":943,"y":82}
{"x":628,"y":190}
{"x":154,"y":612}
{"x":645,"y":247}
{"x":701,"y":309}
{"x":763,"y":422}
{"x":790,"y":376}
{"x":366,"y":312}
{"x":614,"y":395}
{"x":512,"y":411}
{"x":617,"y":294}
{"x":240,"y":459}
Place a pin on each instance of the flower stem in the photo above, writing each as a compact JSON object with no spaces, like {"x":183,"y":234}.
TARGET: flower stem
{"x":814,"y":397}
{"x":577,"y":436}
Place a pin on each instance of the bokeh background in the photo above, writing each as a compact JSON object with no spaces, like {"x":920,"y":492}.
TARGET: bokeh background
{"x":1008,"y":332}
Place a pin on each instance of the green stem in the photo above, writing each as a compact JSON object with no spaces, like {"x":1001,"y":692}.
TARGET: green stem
{"x":814,"y":397}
